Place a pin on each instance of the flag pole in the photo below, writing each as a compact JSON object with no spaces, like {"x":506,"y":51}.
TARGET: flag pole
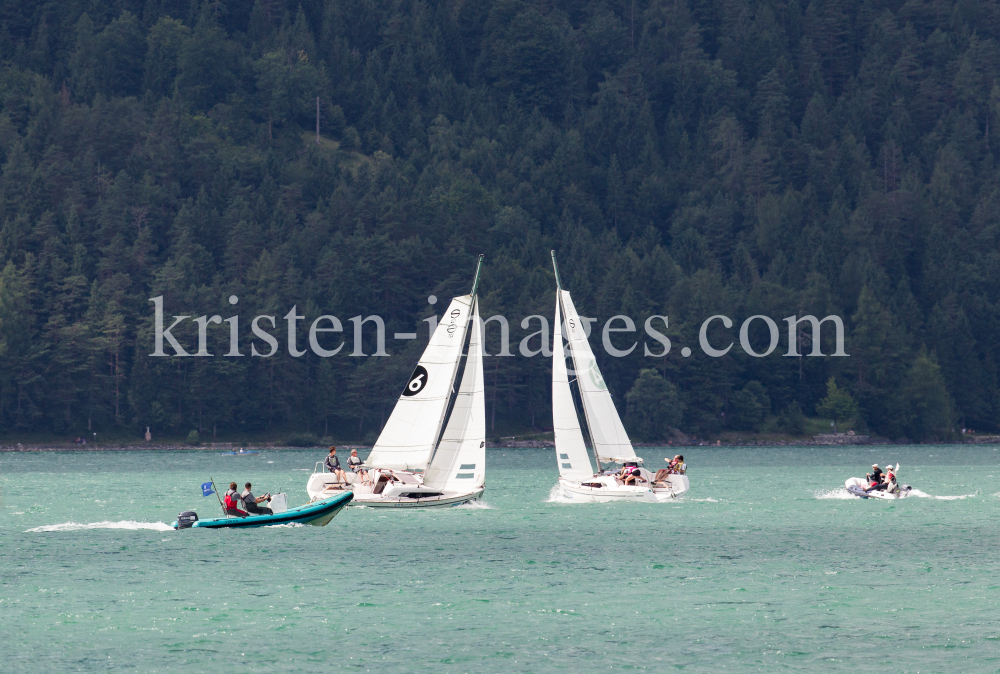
{"x":218,"y":498}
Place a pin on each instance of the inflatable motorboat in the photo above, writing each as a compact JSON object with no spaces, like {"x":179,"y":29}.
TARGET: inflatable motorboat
{"x":858,"y":487}
{"x":317,"y":513}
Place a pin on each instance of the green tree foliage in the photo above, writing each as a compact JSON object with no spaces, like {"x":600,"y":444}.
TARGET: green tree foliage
{"x":837,"y":405}
{"x":686,"y":159}
{"x":926,"y":403}
{"x":749,"y":406}
{"x":654,"y":406}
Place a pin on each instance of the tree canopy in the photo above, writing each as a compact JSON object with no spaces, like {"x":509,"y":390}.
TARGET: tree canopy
{"x":686,"y":158}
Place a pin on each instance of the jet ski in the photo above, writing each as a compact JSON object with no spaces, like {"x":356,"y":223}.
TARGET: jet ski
{"x":857,"y":486}
{"x":317,"y":513}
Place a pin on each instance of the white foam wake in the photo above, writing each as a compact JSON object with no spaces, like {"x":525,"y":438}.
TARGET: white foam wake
{"x":474,"y":504}
{"x":557,"y":495}
{"x":839,"y":493}
{"x":74,"y":526}
{"x":920,"y":494}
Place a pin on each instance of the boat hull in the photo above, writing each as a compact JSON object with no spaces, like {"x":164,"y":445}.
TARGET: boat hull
{"x":404,"y":493}
{"x":444,"y":500}
{"x":610,"y":489}
{"x":318,"y":513}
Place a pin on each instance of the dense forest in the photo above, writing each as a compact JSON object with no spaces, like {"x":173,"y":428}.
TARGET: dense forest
{"x":684,"y":157}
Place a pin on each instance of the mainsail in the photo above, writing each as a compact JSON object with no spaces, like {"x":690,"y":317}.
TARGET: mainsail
{"x":408,"y":439}
{"x":610,"y":440}
{"x":459,"y":464}
{"x":571,"y":451}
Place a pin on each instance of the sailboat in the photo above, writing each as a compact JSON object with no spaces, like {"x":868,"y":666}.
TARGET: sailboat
{"x":610,"y":442}
{"x":432,"y":450}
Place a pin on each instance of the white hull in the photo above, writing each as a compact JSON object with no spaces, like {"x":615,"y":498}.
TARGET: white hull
{"x":857,"y":485}
{"x":439,"y":501}
{"x":406,"y":491}
{"x":612,"y":489}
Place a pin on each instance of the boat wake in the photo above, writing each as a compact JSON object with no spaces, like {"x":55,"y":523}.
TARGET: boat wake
{"x":474,"y":504}
{"x":917,"y":492}
{"x":839,"y":493}
{"x":697,"y":500}
{"x":557,"y":495}
{"x":843,"y":494}
{"x":131,"y":525}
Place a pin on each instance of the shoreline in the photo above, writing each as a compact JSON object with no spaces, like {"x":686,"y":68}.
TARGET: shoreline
{"x":525,"y":444}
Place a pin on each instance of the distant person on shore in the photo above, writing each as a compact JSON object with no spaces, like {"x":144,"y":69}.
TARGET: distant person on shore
{"x":232,"y":500}
{"x":355,"y":463}
{"x":250,"y":501}
{"x":333,"y":465}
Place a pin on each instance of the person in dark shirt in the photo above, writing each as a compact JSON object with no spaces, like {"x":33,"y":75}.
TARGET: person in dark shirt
{"x":333,"y":465}
{"x":875,"y":479}
{"x":250,"y":502}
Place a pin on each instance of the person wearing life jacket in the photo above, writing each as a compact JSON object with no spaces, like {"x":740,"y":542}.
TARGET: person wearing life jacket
{"x":333,"y":465}
{"x":632,"y":474}
{"x":232,"y":500}
{"x":677,"y":465}
{"x":890,"y":480}
{"x":355,"y":463}
{"x":625,"y":475}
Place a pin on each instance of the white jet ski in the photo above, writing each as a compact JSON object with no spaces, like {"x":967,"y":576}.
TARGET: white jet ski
{"x":857,"y":486}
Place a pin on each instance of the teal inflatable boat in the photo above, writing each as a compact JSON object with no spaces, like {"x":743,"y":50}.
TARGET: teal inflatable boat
{"x":318,"y":513}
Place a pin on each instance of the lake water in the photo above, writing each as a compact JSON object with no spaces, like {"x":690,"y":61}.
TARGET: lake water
{"x":766,"y":564}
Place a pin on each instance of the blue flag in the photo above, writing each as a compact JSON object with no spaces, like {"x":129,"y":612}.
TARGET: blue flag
{"x":206,"y":489}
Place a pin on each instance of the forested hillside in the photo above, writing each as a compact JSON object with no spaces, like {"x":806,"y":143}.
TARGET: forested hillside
{"x":684,"y":157}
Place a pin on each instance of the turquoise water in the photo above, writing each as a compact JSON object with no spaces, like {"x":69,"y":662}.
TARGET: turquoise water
{"x":763,"y":566}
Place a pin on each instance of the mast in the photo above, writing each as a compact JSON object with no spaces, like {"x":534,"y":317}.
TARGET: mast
{"x":555,"y":268}
{"x":586,"y":419}
{"x":479,"y":268}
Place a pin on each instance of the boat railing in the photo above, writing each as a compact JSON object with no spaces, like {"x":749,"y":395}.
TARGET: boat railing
{"x":320,"y":467}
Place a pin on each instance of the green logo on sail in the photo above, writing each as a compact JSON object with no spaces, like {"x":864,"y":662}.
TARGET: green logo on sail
{"x":595,"y":376}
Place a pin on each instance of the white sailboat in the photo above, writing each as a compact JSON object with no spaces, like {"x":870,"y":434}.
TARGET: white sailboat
{"x":414,"y":463}
{"x":610,"y":442}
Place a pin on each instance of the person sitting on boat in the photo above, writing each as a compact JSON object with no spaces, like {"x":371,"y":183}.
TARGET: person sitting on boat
{"x":354,"y":462}
{"x":250,"y":501}
{"x":890,"y":480}
{"x":333,"y":465}
{"x":633,"y":474}
{"x":232,"y":500}
{"x":677,"y":465}
{"x":626,"y":471}
{"x":874,"y":477}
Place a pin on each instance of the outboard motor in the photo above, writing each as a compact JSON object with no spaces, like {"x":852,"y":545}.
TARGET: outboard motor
{"x":187,"y":519}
